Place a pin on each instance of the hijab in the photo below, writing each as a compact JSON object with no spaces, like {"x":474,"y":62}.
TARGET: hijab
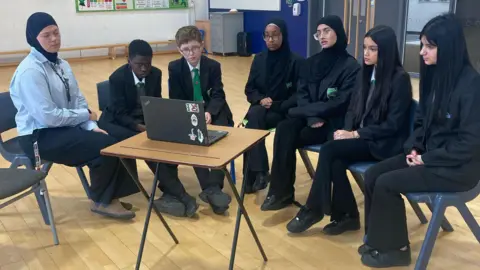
{"x":35,"y":24}
{"x":324,"y":61}
{"x":277,"y":61}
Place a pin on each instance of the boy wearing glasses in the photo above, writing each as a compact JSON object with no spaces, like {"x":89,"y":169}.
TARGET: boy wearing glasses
{"x":123,"y":117}
{"x":198,"y":78}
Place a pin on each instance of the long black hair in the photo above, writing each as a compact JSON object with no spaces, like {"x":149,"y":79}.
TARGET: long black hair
{"x":388,"y":65}
{"x":446,"y":33}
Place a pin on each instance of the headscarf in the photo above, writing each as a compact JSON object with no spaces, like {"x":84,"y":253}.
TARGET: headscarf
{"x":277,"y":61}
{"x":326,"y":59}
{"x":35,"y":24}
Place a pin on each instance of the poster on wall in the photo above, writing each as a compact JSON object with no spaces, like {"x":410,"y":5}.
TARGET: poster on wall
{"x":128,"y":5}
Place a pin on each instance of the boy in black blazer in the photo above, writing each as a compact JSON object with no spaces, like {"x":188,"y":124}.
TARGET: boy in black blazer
{"x":198,"y":78}
{"x":123,"y":117}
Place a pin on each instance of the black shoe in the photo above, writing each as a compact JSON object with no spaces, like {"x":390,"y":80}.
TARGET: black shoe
{"x":250,"y":182}
{"x":363,"y":249}
{"x":387,"y":259}
{"x":217,"y":199}
{"x":190,"y":203}
{"x":261,"y":181}
{"x":346,"y":223}
{"x":304,"y":219}
{"x":274,"y":202}
{"x":171,"y":205}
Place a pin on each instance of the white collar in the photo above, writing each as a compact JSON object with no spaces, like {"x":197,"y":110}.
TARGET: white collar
{"x":373,"y":75}
{"x":192,"y":67}
{"x":136,"y":79}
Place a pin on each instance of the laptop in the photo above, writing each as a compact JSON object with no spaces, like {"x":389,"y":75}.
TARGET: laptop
{"x":178,"y":121}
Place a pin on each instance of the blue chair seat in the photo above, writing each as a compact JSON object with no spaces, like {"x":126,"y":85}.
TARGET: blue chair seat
{"x":360,"y":167}
{"x":313,"y":148}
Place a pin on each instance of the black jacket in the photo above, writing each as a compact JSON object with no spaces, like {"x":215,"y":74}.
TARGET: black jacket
{"x":180,"y":85}
{"x":450,"y":147}
{"x":386,"y":137}
{"x":123,"y":95}
{"x":256,"y":90}
{"x":313,"y":102}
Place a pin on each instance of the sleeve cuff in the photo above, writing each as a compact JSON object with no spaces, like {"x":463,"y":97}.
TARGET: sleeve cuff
{"x":89,"y":125}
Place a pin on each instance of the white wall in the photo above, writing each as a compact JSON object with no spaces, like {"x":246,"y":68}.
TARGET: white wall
{"x":92,"y":28}
{"x":419,"y":13}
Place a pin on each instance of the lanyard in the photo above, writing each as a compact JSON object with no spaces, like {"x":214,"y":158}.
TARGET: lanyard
{"x":38,"y":160}
{"x":64,"y":80}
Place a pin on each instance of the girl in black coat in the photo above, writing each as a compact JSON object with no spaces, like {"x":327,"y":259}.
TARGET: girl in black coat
{"x":442,"y":154}
{"x":270,"y":90}
{"x":376,"y":126}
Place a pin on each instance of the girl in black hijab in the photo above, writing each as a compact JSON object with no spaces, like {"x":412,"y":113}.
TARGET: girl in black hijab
{"x":35,"y":24}
{"x":323,"y":95}
{"x":270,"y":89}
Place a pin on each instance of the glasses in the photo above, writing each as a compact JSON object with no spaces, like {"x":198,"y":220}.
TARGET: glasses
{"x":273,"y":38}
{"x":193,"y":49}
{"x":318,"y":34}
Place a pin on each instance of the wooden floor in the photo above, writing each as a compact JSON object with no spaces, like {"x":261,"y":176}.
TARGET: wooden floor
{"x":92,"y":242}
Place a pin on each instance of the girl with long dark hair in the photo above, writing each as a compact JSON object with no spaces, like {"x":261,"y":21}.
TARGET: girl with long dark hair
{"x":442,"y":154}
{"x":376,"y":126}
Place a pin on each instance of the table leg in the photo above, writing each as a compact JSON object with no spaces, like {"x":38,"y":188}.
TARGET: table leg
{"x":144,"y":192}
{"x":241,"y":210}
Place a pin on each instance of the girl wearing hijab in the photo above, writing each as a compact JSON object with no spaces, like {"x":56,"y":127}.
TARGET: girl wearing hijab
{"x":270,"y":90}
{"x":441,"y":155}
{"x":376,"y":126}
{"x":324,"y":90}
{"x":53,"y":115}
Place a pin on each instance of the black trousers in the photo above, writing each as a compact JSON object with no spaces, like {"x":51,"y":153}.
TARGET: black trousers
{"x":335,"y":157}
{"x":121,"y":133}
{"x":72,"y":146}
{"x":260,"y":118}
{"x":385,"y":217}
{"x":291,"y":134}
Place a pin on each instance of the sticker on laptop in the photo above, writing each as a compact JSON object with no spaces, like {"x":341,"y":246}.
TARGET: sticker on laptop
{"x":200,"y":135}
{"x":194,"y":120}
{"x":192,"y":108}
{"x":192,"y":135}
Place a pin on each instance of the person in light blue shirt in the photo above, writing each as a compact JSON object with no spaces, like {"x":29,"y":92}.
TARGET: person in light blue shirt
{"x":53,"y":113}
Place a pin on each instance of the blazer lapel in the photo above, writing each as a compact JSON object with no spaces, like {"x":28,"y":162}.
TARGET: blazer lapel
{"x":130,"y":87}
{"x":187,"y":79}
{"x":204,"y":73}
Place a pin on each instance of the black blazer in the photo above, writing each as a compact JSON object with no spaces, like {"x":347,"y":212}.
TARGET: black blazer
{"x":180,"y":85}
{"x":256,"y":90}
{"x":450,"y":147}
{"x":313,"y":102}
{"x":387,"y":136}
{"x":123,"y":95}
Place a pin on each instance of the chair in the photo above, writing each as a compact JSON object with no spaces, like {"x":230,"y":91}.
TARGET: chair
{"x":15,"y":181}
{"x":202,"y":33}
{"x":103,"y":92}
{"x":437,"y":203}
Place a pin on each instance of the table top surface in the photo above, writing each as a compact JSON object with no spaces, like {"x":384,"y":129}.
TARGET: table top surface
{"x":218,"y":155}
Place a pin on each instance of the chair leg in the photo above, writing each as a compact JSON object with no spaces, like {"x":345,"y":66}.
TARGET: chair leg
{"x":232,"y":172}
{"x":438,"y":215}
{"x":83,"y":179}
{"x":418,"y":211}
{"x":359,"y":180}
{"x":446,"y":226}
{"x":469,"y":219}
{"x":44,"y":192}
{"x":307,"y":162}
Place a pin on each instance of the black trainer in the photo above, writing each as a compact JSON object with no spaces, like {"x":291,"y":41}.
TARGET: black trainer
{"x":190,"y":203}
{"x":261,"y":181}
{"x":346,"y":223}
{"x":171,"y":205}
{"x":304,"y":219}
{"x":218,"y":200}
{"x":274,"y":202}
{"x":387,"y":259}
{"x":364,"y":249}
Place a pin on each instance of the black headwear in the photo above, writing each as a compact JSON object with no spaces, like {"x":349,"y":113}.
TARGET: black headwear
{"x":35,"y":24}
{"x":327,"y":58}
{"x":277,"y":61}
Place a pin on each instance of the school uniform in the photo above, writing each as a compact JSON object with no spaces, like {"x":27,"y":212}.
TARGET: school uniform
{"x":200,"y":83}
{"x":450,"y":149}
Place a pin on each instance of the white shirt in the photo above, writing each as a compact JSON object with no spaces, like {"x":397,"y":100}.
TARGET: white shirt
{"x":192,"y":67}
{"x":136,"y":79}
{"x":373,"y":75}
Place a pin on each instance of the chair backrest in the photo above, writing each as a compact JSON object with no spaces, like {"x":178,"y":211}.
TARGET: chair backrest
{"x":103,"y":92}
{"x":413,"y":108}
{"x":7,"y":115}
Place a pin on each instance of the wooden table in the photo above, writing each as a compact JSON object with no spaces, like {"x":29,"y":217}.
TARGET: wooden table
{"x":217,"y":156}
